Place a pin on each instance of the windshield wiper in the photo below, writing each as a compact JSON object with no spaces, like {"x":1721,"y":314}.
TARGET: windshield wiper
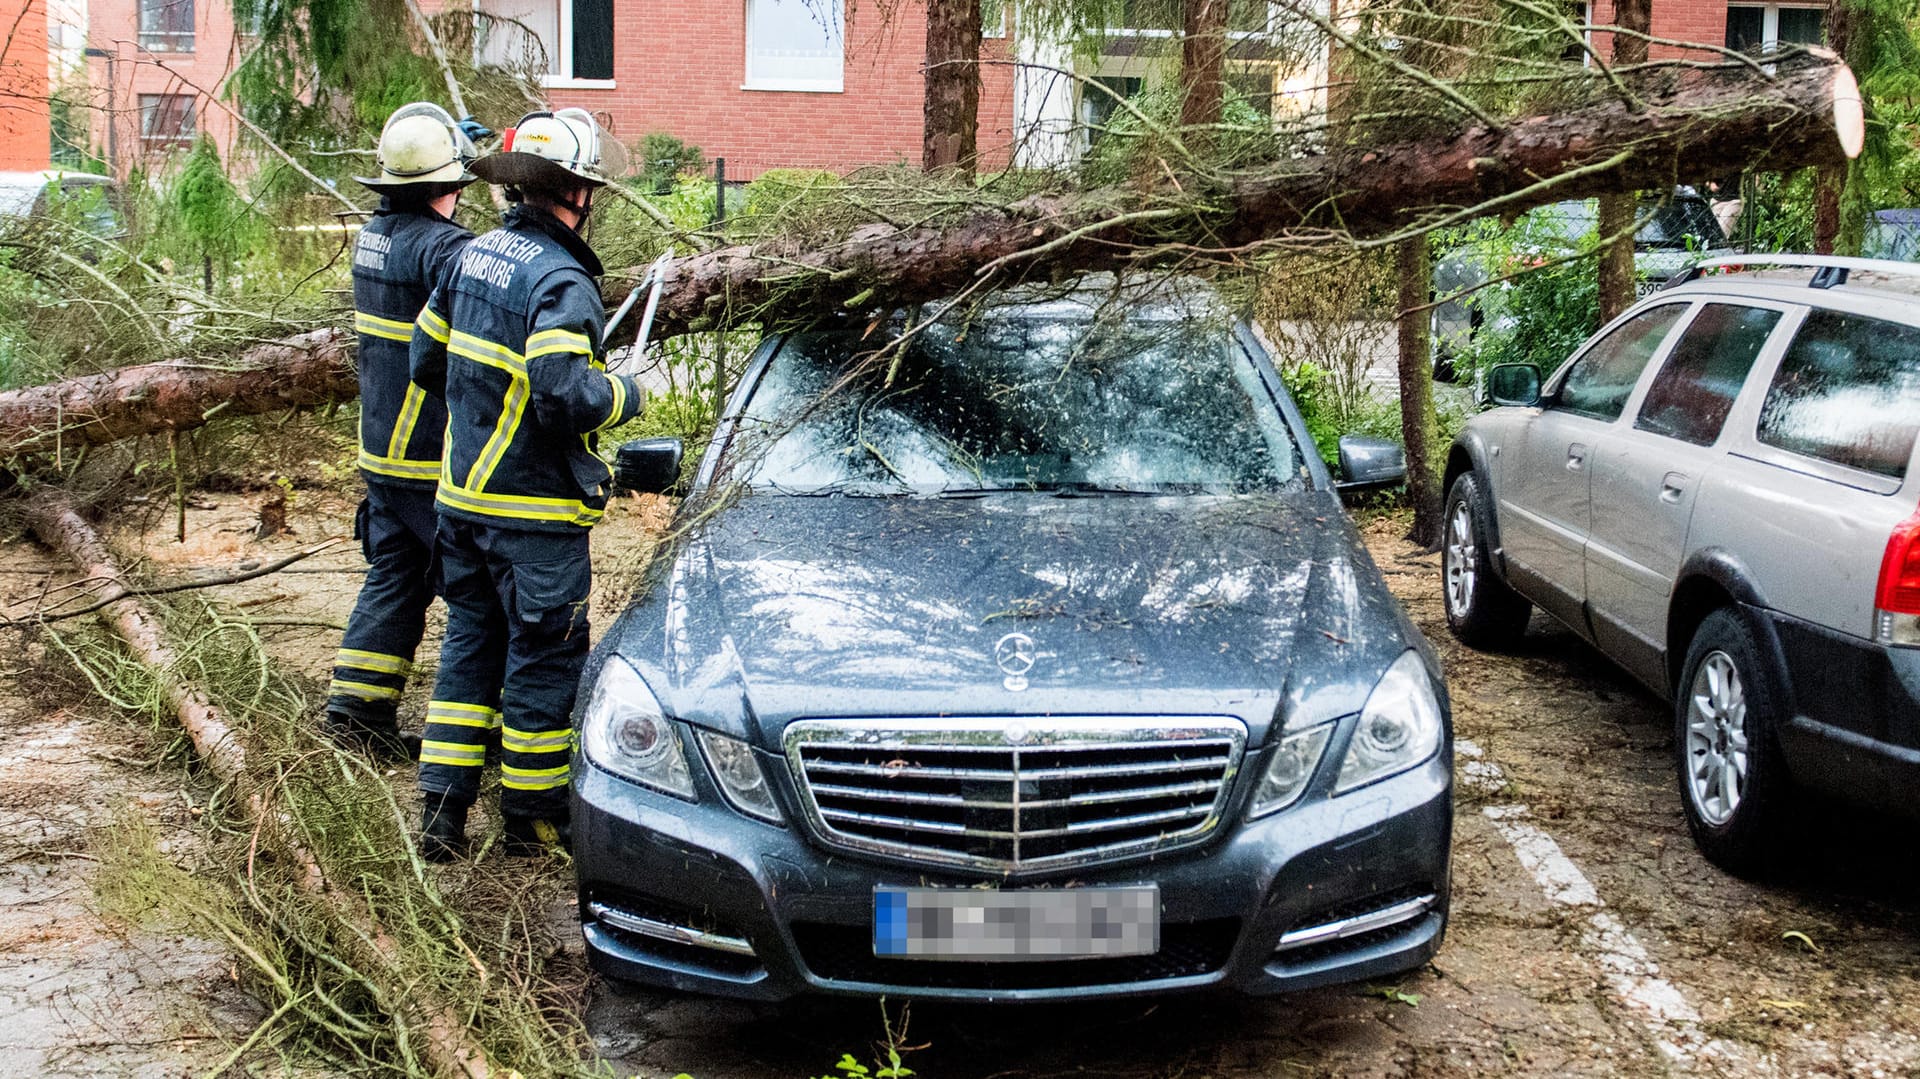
{"x":1096,"y":490}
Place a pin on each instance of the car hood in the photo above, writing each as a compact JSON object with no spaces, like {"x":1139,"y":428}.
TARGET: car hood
{"x":778,"y":607}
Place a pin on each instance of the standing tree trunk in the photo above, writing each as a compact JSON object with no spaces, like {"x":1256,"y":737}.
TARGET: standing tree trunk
{"x":1617,"y":211}
{"x":1418,"y":427}
{"x":1203,"y":71}
{"x":1829,"y":184}
{"x":953,"y":86}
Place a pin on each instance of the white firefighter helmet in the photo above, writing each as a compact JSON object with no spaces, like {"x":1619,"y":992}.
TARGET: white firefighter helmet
{"x":554,"y":149}
{"x":421,"y":146}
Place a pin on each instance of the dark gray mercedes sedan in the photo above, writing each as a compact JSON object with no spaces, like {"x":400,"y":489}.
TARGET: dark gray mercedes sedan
{"x":1015,"y":655}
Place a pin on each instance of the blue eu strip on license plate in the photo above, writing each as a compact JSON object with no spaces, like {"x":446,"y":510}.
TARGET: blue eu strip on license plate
{"x":1057,"y":923}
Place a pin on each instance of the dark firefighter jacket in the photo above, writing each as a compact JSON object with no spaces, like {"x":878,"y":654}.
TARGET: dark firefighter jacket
{"x":510,"y":340}
{"x":397,"y":258}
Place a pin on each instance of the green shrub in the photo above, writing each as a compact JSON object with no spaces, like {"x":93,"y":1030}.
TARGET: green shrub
{"x":665,"y":159}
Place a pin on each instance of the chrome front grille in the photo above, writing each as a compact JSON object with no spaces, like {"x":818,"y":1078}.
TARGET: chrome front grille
{"x":1015,"y":794}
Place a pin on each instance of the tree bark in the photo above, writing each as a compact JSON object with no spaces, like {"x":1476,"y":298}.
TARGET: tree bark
{"x":1203,"y":71}
{"x":1829,"y":184}
{"x":310,"y":369}
{"x":1724,"y":120}
{"x":1616,"y":213}
{"x":1419,"y":429}
{"x":952,"y":118}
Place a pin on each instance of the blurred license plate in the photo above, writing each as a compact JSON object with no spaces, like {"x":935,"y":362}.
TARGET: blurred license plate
{"x":973,"y":923}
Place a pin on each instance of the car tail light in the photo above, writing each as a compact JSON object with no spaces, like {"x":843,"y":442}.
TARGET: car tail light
{"x":1896,"y":601}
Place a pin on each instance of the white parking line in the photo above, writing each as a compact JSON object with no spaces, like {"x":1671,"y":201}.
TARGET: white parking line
{"x":1630,"y":973}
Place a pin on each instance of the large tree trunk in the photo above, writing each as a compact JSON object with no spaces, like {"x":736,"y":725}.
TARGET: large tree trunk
{"x":1714,"y":124}
{"x":952,"y":118}
{"x":1617,"y":211}
{"x":1203,"y":70}
{"x":1726,"y":120}
{"x":311,"y":369}
{"x":1418,"y":428}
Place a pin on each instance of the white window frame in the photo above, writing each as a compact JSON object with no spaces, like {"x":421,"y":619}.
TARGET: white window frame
{"x":1770,"y":20}
{"x":568,"y":82}
{"x":789,"y":86}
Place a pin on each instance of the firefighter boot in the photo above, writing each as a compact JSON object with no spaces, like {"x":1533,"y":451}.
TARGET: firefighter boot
{"x":533,"y":837}
{"x":443,"y":829}
{"x":381,"y":738}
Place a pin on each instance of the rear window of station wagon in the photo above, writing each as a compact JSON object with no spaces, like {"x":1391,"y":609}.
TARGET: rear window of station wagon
{"x":1848,"y":392}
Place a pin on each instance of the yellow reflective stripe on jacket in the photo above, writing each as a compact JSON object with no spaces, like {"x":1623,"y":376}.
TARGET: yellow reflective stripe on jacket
{"x":435,"y":326}
{"x":619,"y":401}
{"x":453,"y":753}
{"x":404,"y":424}
{"x":375,"y":326}
{"x":513,"y":408}
{"x":481,"y":350}
{"x":400,"y":469}
{"x":530,"y":779}
{"x":551,"y":342}
{"x":363,"y":690}
{"x":377,"y":662}
{"x":536,"y":741}
{"x":516,"y":507}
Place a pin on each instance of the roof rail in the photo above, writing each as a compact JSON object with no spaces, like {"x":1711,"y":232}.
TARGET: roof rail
{"x":1829,"y":270}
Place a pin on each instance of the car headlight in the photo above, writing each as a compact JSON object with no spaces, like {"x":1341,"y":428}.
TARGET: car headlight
{"x":1289,"y":770}
{"x":738,"y":772}
{"x":625,"y":731}
{"x":1399,"y":726}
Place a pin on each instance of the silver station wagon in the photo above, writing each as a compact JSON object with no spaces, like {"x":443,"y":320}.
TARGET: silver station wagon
{"x":1716,"y":492}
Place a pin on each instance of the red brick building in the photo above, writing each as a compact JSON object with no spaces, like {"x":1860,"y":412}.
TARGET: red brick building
{"x":152,"y":69}
{"x":26,"y":140}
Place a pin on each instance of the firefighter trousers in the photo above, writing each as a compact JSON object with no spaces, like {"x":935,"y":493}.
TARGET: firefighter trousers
{"x":515,"y":646}
{"x":395,"y":526}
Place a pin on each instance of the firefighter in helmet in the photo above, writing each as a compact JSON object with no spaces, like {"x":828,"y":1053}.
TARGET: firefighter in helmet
{"x":398,"y":256}
{"x":511,"y":340}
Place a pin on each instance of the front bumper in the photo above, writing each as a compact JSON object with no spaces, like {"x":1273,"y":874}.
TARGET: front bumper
{"x":699,"y":898}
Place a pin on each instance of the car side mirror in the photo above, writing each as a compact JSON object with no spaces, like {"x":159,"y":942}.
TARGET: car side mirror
{"x":1370,"y":462}
{"x":648,"y":466}
{"x":1515,"y":384}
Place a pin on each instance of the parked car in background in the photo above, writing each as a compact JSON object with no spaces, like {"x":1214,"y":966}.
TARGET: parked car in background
{"x":1893,"y":234}
{"x":1719,"y":492}
{"x":94,"y":199}
{"x":1035,"y":659}
{"x":1678,"y":232}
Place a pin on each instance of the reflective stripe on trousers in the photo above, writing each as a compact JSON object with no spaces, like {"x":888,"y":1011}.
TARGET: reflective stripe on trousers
{"x":370,"y":670}
{"x":516,"y":642}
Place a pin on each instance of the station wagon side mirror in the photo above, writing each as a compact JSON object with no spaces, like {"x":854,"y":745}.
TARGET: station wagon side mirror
{"x":1516,"y":384}
{"x":648,"y":466}
{"x":1370,"y":462}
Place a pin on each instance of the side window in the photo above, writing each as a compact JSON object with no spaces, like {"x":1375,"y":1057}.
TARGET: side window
{"x":1600,"y":382}
{"x":1845,"y":393}
{"x":1691,"y":396}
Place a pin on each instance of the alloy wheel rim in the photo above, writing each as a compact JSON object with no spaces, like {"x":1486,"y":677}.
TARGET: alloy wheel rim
{"x":1460,"y":560}
{"x":1717,"y":757}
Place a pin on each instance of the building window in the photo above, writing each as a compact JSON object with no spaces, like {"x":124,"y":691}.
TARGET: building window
{"x":1765,"y":27}
{"x":795,"y":45}
{"x":166,"y":119}
{"x":1100,"y":100}
{"x":564,"y":42}
{"x":166,"y":25}
{"x":1576,"y":50}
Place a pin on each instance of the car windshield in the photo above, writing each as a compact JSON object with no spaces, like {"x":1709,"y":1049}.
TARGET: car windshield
{"x":1680,"y":223}
{"x":1063,"y":396}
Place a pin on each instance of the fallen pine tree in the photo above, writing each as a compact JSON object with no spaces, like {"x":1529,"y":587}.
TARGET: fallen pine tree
{"x":1805,"y":111}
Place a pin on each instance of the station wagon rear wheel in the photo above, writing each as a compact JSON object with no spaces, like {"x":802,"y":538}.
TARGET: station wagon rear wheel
{"x":1482,"y":610}
{"x":1734,"y":785}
